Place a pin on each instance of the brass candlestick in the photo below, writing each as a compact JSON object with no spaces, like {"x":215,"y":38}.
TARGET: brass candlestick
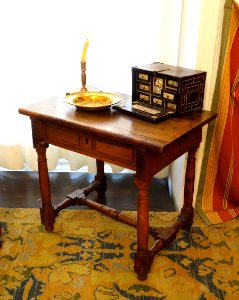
{"x":83,"y":76}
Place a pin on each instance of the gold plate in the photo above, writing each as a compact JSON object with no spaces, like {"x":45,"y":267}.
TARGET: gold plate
{"x":92,"y":101}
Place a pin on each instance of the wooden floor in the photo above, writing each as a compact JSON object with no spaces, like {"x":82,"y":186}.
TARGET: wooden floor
{"x":20,"y":189}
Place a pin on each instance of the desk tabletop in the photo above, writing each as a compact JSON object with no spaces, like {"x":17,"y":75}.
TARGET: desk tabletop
{"x":116,"y":125}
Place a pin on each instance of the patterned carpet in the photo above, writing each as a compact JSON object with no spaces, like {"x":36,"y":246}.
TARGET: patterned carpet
{"x":89,"y":256}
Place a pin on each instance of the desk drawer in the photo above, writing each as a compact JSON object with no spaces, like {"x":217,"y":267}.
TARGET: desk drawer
{"x":116,"y":151}
{"x":60,"y":136}
{"x":90,"y":145}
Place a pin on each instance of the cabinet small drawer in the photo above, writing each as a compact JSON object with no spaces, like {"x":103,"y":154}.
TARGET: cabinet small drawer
{"x":115,"y":151}
{"x":143,"y":76}
{"x":143,"y":87}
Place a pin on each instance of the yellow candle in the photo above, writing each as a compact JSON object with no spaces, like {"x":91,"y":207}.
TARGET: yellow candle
{"x":84,"y":51}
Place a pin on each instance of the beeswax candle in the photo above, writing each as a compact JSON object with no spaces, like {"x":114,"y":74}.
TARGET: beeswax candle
{"x":84,"y":51}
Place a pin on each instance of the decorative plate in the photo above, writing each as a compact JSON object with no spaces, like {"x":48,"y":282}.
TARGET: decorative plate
{"x":92,"y":101}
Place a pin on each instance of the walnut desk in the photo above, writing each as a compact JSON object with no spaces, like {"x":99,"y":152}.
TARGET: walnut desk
{"x":125,"y":141}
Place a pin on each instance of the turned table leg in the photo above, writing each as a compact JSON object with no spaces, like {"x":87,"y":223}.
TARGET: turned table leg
{"x":142,"y":181}
{"x":141,"y":260}
{"x":187,"y":211}
{"x":101,"y":177}
{"x":47,"y":210}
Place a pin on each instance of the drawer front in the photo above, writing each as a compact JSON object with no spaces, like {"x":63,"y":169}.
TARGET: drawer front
{"x":116,"y":151}
{"x":90,"y":145}
{"x":61,"y":137}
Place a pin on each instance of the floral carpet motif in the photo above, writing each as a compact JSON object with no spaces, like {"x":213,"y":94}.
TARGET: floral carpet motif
{"x":90,"y":256}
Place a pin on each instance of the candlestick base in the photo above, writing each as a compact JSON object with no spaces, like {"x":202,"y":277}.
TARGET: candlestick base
{"x":83,"y":89}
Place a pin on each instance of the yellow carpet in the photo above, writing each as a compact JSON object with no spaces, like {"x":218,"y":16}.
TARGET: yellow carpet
{"x":90,"y":256}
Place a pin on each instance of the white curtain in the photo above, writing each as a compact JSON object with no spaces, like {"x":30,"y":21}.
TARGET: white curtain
{"x":41,"y":44}
{"x":207,"y":27}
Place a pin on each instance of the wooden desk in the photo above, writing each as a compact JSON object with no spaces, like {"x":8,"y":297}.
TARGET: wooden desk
{"x":125,"y":141}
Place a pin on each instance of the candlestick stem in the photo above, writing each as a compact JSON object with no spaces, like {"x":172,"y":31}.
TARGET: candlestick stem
{"x":83,"y":76}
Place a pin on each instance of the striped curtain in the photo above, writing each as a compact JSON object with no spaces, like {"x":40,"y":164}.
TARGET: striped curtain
{"x":218,"y":190}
